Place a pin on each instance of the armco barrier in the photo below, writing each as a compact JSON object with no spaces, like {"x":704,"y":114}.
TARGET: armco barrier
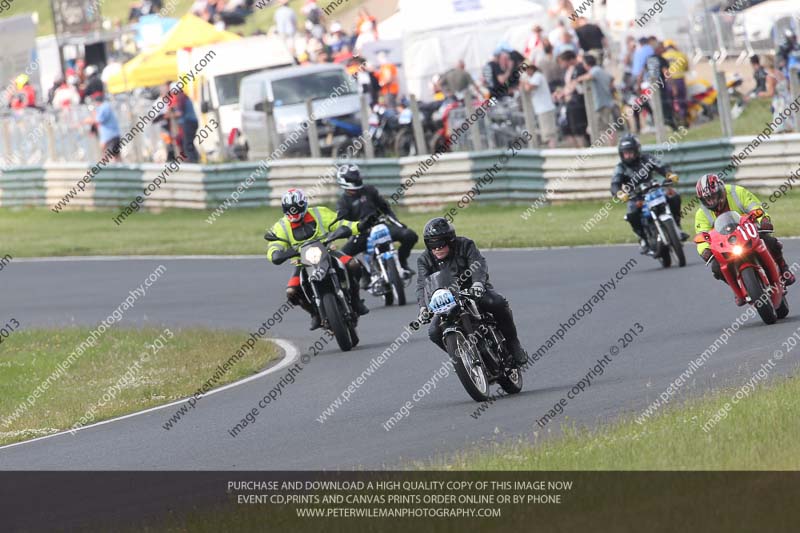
{"x":558,"y":174}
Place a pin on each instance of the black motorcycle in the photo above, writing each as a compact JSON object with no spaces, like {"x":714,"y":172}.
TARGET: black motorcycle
{"x":325,"y":282}
{"x":662,"y":233}
{"x":473,"y":340}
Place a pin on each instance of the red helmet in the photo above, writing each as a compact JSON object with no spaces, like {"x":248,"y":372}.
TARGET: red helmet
{"x":711,"y":191}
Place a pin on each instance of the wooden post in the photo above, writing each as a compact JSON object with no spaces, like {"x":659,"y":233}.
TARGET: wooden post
{"x":530,"y":119}
{"x":313,"y":134}
{"x":52,"y":154}
{"x":475,"y":129}
{"x":419,"y":134}
{"x":220,"y":136}
{"x":591,"y":113}
{"x":794,"y":90}
{"x":724,"y":105}
{"x":658,"y":112}
{"x":366,"y":138}
{"x":269,"y":119}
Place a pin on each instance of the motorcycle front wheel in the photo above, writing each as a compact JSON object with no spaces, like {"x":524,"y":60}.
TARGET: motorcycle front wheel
{"x":468,"y":365}
{"x":675,"y":243}
{"x":334,"y":315}
{"x":398,"y":290}
{"x":756,"y":291}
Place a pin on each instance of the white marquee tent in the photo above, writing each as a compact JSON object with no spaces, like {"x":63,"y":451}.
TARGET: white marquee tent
{"x":437,"y":33}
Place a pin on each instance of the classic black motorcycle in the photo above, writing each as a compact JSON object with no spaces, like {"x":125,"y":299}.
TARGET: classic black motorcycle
{"x":659,"y":225}
{"x":473,"y":340}
{"x":384,"y":264}
{"x":325,"y":283}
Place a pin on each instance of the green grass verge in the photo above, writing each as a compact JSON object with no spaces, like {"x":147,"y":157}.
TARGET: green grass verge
{"x":116,"y":367}
{"x":759,"y":433}
{"x":752,"y":121}
{"x":40,"y":232}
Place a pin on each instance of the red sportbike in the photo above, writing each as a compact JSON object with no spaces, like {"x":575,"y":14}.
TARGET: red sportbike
{"x":746,"y":263}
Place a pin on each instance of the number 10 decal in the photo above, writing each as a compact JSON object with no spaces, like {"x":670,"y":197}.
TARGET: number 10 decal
{"x":751,"y":232}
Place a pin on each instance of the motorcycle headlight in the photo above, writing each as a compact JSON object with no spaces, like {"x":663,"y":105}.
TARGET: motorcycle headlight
{"x":312,"y":256}
{"x":737,"y":250}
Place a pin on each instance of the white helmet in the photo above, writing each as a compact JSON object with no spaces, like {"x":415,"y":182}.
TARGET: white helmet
{"x":348,"y":177}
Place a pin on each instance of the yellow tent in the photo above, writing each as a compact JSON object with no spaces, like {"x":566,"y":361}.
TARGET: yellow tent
{"x":160,"y":65}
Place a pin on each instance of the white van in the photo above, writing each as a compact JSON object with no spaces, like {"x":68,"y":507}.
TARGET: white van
{"x":336,"y":107}
{"x":215,"y":90}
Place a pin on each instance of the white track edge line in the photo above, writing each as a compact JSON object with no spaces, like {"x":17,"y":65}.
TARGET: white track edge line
{"x":291,"y":354}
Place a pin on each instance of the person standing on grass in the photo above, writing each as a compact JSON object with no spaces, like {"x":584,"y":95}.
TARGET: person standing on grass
{"x":678,"y":67}
{"x":105,"y":120}
{"x":286,"y":24}
{"x":759,"y":76}
{"x":181,"y":110}
{"x":591,"y":39}
{"x":572,"y":97}
{"x":458,"y":80}
{"x":543,"y":105}
{"x":778,"y":90}
{"x":603,"y":96}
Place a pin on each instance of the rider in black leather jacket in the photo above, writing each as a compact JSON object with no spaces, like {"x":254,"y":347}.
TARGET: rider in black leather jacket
{"x":466,"y":264}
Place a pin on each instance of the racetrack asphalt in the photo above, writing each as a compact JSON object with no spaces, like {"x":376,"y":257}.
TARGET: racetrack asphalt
{"x":682,"y":311}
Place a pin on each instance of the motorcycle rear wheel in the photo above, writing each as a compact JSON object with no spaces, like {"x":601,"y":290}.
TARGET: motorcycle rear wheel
{"x":472,"y":377}
{"x":755,"y":290}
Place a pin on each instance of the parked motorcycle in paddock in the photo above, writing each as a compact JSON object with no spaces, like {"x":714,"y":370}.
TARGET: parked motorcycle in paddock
{"x":475,"y":344}
{"x":660,"y":228}
{"x":325,"y":283}
{"x":383,"y":263}
{"x":746,"y":264}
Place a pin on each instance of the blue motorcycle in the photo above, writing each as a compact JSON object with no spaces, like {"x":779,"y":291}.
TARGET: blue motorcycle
{"x":660,"y":229}
{"x":383,"y":263}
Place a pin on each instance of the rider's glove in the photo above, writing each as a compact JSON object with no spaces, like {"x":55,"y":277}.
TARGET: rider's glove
{"x":707,"y":254}
{"x":280,"y":256}
{"x":424,"y":316}
{"x":623,"y":196}
{"x":477,"y":289}
{"x":766,"y":224}
{"x":672,"y":177}
{"x":367,"y":222}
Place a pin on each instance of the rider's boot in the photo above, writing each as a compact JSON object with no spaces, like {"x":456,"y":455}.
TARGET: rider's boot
{"x":788,"y":275}
{"x":296,"y":297}
{"x":520,"y":357}
{"x":357,"y":273}
{"x":366,"y":272}
{"x":407,"y":272}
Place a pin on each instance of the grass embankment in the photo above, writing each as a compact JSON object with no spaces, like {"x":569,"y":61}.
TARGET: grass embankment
{"x":752,"y":121}
{"x":126,"y":371}
{"x":40,"y":232}
{"x":759,"y":433}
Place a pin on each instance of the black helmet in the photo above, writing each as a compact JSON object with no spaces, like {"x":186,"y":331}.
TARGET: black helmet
{"x":789,"y":34}
{"x":349,"y":177}
{"x":630,"y":144}
{"x":438,"y":232}
{"x":294,"y":204}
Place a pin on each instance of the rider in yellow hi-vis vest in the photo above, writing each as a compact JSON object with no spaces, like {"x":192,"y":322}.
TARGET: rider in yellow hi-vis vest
{"x":300,"y":224}
{"x":717,"y":198}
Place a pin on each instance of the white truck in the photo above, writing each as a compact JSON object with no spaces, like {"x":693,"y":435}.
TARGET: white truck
{"x":215,"y":90}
